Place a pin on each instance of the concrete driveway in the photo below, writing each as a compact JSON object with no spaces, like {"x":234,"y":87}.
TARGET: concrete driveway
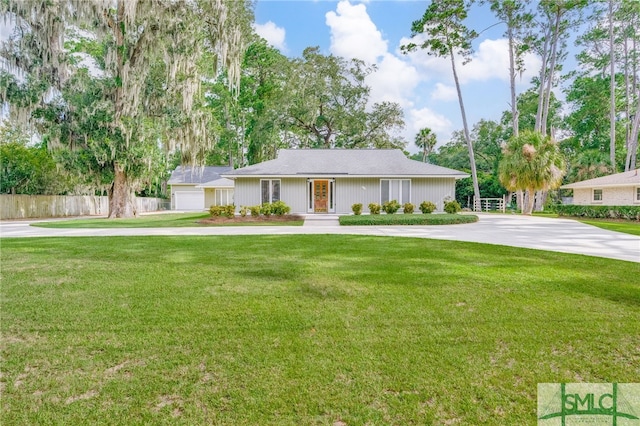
{"x":561,"y":235}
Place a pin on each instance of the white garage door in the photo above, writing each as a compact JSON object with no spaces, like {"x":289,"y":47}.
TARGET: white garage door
{"x":189,"y":200}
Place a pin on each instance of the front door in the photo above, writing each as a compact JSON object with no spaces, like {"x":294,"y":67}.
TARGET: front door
{"x":320,"y":196}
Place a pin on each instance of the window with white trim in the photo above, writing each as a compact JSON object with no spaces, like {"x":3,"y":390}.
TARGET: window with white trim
{"x":270,"y":189}
{"x":638,"y":194}
{"x":223,"y":197}
{"x":597,"y":195}
{"x":395,"y":189}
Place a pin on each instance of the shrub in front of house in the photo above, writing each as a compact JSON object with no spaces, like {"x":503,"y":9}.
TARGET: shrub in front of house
{"x":219,"y":211}
{"x":280,"y":208}
{"x":215,"y":211}
{"x":255,"y":210}
{"x":229,"y":210}
{"x":357,"y":209}
{"x":243,"y":211}
{"x":427,"y":207}
{"x":374,"y":208}
{"x":452,"y":207}
{"x":265,"y":209}
{"x":390,"y":207}
{"x":407,"y":208}
{"x":407,"y":219}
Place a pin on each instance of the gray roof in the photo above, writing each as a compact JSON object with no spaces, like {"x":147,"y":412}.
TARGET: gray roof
{"x":344,"y":163}
{"x":630,"y":178}
{"x":189,"y":175}
{"x":218,"y":183}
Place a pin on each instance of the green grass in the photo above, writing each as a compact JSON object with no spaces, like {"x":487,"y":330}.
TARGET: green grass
{"x":165,"y":220}
{"x":300,"y":330}
{"x":407,"y":219}
{"x":624,"y":226}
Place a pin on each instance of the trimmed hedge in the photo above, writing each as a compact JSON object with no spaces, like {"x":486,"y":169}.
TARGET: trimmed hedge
{"x":600,"y":212}
{"x":408,"y":219}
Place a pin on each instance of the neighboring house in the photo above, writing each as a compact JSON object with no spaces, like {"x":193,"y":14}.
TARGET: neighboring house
{"x":198,"y":188}
{"x":620,"y":189}
{"x":332,"y":180}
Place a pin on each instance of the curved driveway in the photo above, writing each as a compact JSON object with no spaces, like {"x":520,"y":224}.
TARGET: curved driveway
{"x":561,"y":235}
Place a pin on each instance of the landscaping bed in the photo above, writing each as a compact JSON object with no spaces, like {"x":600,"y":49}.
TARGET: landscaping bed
{"x":287,"y":219}
{"x":408,"y":219}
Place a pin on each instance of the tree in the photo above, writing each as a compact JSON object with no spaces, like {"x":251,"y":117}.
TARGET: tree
{"x":147,"y":89}
{"x":447,"y":36}
{"x":519,"y":22}
{"x":557,"y":17}
{"x":27,"y":168}
{"x":531,"y":162}
{"x":328,"y":105}
{"x":426,"y":140}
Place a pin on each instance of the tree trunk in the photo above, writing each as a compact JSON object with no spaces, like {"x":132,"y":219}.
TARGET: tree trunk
{"x":546,"y":98}
{"x":512,"y":81}
{"x":472,"y":160}
{"x":529,"y":201}
{"x":632,"y":153}
{"x":612,"y":113}
{"x":120,"y":195}
{"x":542,"y":77}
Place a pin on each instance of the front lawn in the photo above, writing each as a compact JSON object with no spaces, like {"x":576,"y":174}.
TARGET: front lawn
{"x":625,"y":226}
{"x":163,"y":220}
{"x":407,"y":219}
{"x":306,"y":329}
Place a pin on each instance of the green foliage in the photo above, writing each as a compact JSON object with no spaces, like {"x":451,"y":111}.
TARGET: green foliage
{"x":243,"y":211}
{"x":408,"y":219}
{"x":390,"y":207}
{"x":227,"y":211}
{"x":279,"y":208}
{"x":408,"y":208}
{"x":531,"y":162}
{"x":29,"y":169}
{"x":600,"y":212}
{"x":427,"y":207}
{"x":374,"y":208}
{"x":357,"y":208}
{"x":266,"y":209}
{"x":452,"y":207}
{"x":255,"y":210}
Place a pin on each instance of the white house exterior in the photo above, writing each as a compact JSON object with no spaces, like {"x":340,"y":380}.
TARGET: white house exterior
{"x":620,"y":189}
{"x":331,"y":181}
{"x":195,"y":188}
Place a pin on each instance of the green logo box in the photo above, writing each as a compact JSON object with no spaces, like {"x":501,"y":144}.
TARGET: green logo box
{"x":593,"y":404}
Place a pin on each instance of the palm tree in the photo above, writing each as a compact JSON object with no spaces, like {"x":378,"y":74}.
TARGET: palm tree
{"x":531,"y":162}
{"x":426,"y":140}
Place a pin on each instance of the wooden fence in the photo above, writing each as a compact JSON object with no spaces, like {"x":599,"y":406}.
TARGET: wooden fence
{"x":41,"y":206}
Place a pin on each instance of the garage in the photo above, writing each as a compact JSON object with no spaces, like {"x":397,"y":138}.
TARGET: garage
{"x":187,"y":185}
{"x":188,"y":200}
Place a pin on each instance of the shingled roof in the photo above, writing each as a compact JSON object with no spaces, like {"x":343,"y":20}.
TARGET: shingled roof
{"x":344,"y":163}
{"x":189,"y":175}
{"x":630,"y":178}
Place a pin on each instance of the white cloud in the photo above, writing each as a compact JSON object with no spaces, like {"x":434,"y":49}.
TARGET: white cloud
{"x":394,"y":81}
{"x":274,"y":35}
{"x":490,"y":61}
{"x":424,"y":117}
{"x":444,"y":92}
{"x":353,"y":34}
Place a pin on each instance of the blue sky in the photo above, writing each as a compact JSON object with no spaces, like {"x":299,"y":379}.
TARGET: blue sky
{"x":423,"y":85}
